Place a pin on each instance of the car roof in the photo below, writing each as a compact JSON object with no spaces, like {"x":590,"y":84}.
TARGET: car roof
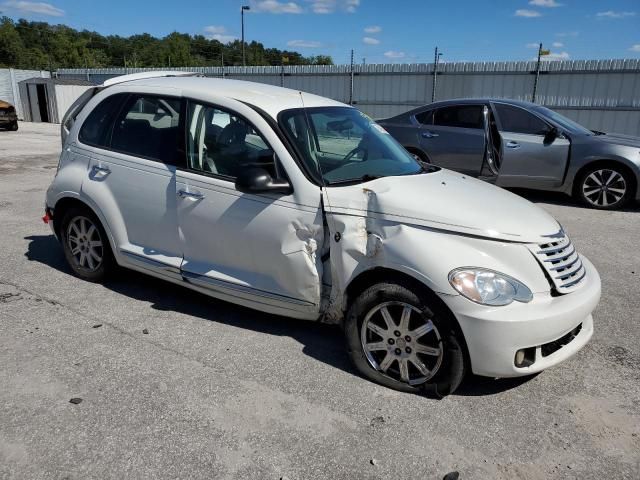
{"x":269,"y":98}
{"x":467,"y":101}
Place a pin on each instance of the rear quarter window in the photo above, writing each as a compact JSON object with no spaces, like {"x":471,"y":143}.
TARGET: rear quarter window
{"x":96,"y":129}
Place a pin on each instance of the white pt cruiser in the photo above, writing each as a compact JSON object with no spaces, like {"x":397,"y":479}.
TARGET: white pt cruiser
{"x":297,"y":205}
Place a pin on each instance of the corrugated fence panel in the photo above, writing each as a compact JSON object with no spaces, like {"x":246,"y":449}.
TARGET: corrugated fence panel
{"x":601,"y":94}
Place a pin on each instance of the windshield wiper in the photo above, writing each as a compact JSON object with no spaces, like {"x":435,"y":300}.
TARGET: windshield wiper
{"x":597,"y":133}
{"x":365,"y":178}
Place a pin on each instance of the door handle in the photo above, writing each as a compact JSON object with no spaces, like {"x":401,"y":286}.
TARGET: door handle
{"x":100,"y":169}
{"x":513,"y":144}
{"x":430,"y":134}
{"x":194,"y":195}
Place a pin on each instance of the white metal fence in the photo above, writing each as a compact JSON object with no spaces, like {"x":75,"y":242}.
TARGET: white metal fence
{"x":9,"y":92}
{"x":600,"y":94}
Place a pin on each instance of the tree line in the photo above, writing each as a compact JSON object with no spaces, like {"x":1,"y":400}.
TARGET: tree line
{"x":41,"y":46}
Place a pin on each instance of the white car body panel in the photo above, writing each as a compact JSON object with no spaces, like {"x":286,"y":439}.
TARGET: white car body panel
{"x":296,"y":254}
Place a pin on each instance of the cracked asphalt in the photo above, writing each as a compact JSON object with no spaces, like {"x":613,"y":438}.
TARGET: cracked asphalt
{"x":213,"y":390}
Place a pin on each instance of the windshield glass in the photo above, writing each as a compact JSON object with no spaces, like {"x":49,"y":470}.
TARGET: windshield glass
{"x":344,"y":145}
{"x":564,"y":122}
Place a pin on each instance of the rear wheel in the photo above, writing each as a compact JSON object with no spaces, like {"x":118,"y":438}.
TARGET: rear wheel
{"x":404,"y":341}
{"x":85,"y":244}
{"x":605,"y":187}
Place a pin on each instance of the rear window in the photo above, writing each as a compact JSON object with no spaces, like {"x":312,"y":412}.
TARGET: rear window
{"x":460,"y":116}
{"x":96,"y":128}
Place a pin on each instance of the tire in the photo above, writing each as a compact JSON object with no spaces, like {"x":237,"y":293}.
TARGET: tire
{"x":86,"y":245}
{"x":441,"y":354}
{"x":14,"y":127}
{"x":604,"y":187}
{"x":417,"y":154}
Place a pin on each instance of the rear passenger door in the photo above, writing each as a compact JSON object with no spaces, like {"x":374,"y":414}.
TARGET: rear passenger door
{"x":454,"y":138}
{"x":131,"y":175}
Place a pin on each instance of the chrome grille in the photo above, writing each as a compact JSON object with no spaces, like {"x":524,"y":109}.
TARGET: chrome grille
{"x":562,"y":263}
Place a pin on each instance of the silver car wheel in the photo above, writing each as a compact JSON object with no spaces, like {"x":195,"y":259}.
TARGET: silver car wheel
{"x":399,"y":341}
{"x":84,"y":243}
{"x":604,"y":187}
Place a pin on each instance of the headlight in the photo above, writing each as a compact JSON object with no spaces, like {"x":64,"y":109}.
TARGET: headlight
{"x":487,"y":287}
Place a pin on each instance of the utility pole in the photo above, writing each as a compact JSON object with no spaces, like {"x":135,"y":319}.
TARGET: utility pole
{"x":535,"y":81}
{"x":436,"y":60}
{"x":351,"y":82}
{"x":222,"y":62}
{"x":244,"y":7}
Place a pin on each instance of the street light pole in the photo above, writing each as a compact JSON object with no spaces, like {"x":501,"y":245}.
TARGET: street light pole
{"x":244,"y":7}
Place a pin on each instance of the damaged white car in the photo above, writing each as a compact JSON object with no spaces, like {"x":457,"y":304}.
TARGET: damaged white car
{"x":301,"y":206}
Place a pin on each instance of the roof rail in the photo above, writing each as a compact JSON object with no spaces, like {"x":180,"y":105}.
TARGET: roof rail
{"x":151,"y":74}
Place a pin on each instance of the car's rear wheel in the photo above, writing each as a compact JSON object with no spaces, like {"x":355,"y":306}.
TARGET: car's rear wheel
{"x":85,"y":244}
{"x":605,"y":187}
{"x":404,"y":340}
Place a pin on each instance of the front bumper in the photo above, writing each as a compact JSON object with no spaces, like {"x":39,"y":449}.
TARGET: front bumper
{"x":494,"y":334}
{"x":8,"y":119}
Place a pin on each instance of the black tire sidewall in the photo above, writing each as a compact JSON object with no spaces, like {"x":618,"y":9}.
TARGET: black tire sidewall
{"x":452,"y":367}
{"x":621,"y":204}
{"x":107,"y":257}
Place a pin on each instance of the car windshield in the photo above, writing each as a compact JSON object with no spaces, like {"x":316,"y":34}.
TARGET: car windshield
{"x":344,"y":145}
{"x":564,"y":122}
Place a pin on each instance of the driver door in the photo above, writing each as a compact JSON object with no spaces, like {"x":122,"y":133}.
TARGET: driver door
{"x":532,"y":156}
{"x":256,"y":248}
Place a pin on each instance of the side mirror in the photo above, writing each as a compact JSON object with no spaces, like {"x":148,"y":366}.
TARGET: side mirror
{"x":551,"y":135}
{"x":258,"y":180}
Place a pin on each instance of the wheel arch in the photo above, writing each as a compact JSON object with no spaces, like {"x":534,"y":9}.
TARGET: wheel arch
{"x":605,"y":162}
{"x":370,"y":277}
{"x":418,"y":151}
{"x":63,"y":204}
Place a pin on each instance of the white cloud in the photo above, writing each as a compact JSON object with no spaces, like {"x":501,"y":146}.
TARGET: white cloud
{"x":273,"y":6}
{"x":527,"y":13}
{"x":612,"y":14}
{"x":545,"y":3}
{"x":39,"y":8}
{"x":635,"y":48}
{"x":557,"y":44}
{"x":303,"y":44}
{"x":370,"y":41}
{"x":373,"y":29}
{"x":394,"y":54}
{"x":330,"y":6}
{"x":218,"y":32}
{"x":532,"y":45}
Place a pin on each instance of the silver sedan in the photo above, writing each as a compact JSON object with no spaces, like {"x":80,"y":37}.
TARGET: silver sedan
{"x":523,"y":145}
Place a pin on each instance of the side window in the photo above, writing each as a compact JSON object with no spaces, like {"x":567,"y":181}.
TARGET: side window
{"x":425,"y":118}
{"x":223,"y":143}
{"x":96,"y":128}
{"x":517,"y":120}
{"x":461,"y":116}
{"x":148,"y":126}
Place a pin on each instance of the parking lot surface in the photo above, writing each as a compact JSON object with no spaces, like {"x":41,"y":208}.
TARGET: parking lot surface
{"x":212,"y":390}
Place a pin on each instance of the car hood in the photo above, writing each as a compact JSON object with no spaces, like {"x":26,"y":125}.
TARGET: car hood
{"x":4,"y":104}
{"x":617,"y":139}
{"x":446,"y":201}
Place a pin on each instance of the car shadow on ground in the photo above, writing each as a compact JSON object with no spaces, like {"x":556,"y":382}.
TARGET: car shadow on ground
{"x":320,"y":341}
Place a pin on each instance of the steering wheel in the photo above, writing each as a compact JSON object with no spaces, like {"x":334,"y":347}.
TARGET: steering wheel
{"x":353,"y":152}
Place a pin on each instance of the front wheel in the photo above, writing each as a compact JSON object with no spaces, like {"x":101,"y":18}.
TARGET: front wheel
{"x":404,"y":341}
{"x":14,"y":126}
{"x":604,"y":187}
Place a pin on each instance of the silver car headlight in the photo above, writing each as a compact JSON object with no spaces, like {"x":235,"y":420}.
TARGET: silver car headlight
{"x":487,"y":287}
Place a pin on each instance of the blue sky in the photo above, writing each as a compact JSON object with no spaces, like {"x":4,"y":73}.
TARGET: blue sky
{"x":381,"y":31}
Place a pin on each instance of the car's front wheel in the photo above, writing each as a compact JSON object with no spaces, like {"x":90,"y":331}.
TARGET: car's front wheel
{"x":404,"y":339}
{"x":604,"y":187}
{"x":85,"y":244}
{"x":14,"y":126}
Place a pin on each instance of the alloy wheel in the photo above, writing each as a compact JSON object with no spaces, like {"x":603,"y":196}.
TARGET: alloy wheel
{"x":399,"y":341}
{"x":84,"y":243}
{"x":604,"y":187}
